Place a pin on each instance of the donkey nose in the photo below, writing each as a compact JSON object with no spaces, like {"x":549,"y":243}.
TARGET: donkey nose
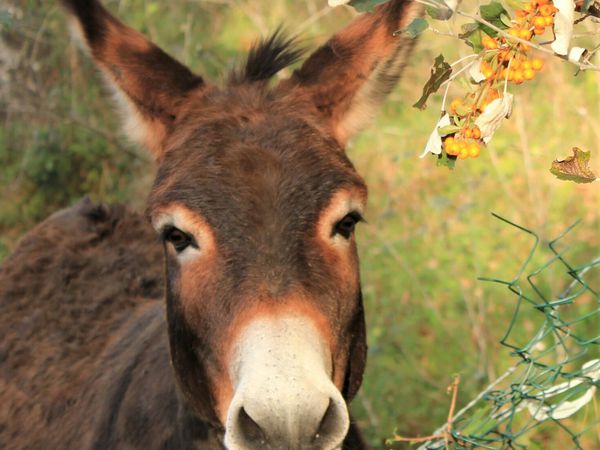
{"x":284,"y":397}
{"x":302,"y":423}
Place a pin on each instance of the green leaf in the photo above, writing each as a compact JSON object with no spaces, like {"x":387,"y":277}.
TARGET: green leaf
{"x":493,"y":13}
{"x":438,"y":10}
{"x":366,"y":5}
{"x":471,"y":34}
{"x":445,"y":160}
{"x":6,"y":19}
{"x":440,"y":72}
{"x":448,"y":129}
{"x":574,"y":168}
{"x":416,"y":27}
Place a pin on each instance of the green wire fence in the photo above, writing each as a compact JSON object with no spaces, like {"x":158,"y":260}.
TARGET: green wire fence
{"x":548,"y":399}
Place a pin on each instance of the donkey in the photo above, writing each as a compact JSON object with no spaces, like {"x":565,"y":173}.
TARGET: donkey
{"x":255,"y":203}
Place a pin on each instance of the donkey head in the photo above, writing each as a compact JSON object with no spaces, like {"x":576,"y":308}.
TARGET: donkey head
{"x":257,"y":202}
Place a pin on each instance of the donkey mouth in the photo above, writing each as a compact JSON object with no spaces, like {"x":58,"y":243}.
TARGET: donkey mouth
{"x":284,"y":397}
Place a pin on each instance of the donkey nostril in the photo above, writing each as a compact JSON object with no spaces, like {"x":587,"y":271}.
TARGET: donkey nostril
{"x":251,"y":432}
{"x":329,"y":425}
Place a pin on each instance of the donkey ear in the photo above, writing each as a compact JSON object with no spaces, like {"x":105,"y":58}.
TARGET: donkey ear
{"x":149,"y":83}
{"x":350,"y":76}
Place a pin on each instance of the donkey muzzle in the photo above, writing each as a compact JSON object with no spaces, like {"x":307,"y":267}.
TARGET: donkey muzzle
{"x":284,"y":397}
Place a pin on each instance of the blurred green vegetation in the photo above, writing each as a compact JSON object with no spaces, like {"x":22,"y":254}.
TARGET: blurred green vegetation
{"x":429,"y":233}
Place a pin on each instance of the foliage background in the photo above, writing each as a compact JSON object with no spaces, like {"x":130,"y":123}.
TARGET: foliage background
{"x":429,"y":233}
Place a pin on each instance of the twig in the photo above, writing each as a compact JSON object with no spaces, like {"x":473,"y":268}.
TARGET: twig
{"x":443,"y":429}
{"x":453,"y":389}
{"x":312,"y":19}
{"x":446,"y":432}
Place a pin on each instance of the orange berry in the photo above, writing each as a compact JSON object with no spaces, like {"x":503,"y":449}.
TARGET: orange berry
{"x":521,"y":14}
{"x":489,"y":42}
{"x":486,"y":69}
{"x":518,"y":77}
{"x":525,"y":34}
{"x":527,"y":65}
{"x":492,"y":95}
{"x":476,"y":132}
{"x":455,"y":104}
{"x":463,"y":153}
{"x":537,"y":31}
{"x":548,"y":21}
{"x":547,"y":10}
{"x":537,"y":63}
{"x":539,"y":22}
{"x":468,"y":133}
{"x":529,"y":7}
{"x":448,"y":140}
{"x":504,"y":54}
{"x":515,"y":63}
{"x":528,"y":74}
{"x":474,"y":150}
{"x":452,"y":149}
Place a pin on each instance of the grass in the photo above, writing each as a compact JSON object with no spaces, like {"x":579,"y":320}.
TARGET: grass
{"x":429,"y":233}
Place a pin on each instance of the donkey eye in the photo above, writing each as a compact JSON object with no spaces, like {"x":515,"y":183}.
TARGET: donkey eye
{"x":345,"y":227}
{"x":179,"y":239}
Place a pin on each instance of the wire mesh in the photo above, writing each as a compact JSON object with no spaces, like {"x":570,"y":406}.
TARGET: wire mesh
{"x":548,"y":399}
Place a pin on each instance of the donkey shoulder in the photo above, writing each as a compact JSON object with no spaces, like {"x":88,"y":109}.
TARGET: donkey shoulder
{"x":71,"y":282}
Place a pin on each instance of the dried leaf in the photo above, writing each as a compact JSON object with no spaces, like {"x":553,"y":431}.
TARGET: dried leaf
{"x":576,"y":53}
{"x":574,"y":168}
{"x":475,"y":71}
{"x":434,"y":143}
{"x":490,"y":119}
{"x":541,"y":411}
{"x":334,"y":3}
{"x":563,"y":26}
{"x":440,"y":72}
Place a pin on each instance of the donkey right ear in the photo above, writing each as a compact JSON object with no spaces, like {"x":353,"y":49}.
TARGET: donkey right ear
{"x":151,"y":84}
{"x":349,"y":77}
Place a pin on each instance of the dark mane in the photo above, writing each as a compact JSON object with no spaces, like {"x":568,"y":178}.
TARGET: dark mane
{"x":267,"y":57}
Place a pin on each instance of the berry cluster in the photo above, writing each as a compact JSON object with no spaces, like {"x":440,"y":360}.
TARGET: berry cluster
{"x":463,"y":148}
{"x":502,"y":60}
{"x":508,"y":60}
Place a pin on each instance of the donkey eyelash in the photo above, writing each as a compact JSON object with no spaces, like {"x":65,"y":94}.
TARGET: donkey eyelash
{"x":180,"y":245}
{"x":346,"y":225}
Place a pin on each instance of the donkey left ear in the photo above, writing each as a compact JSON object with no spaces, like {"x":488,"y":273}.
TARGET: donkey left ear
{"x":150,"y":83}
{"x":350,"y":76}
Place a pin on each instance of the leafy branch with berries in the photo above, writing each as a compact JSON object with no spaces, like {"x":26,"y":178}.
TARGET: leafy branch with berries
{"x":506,"y":50}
